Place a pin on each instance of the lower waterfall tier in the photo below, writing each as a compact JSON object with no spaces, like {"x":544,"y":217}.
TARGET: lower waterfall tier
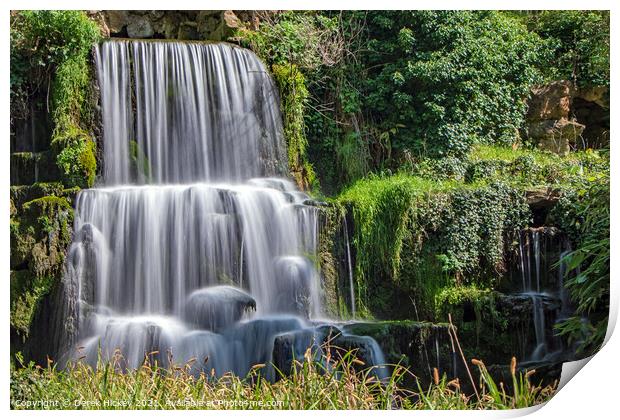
{"x":177,"y":272}
{"x":273,"y":341}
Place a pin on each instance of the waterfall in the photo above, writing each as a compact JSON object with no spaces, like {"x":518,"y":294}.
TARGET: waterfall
{"x":193,"y":245}
{"x":540,"y":253}
{"x":202,"y":113}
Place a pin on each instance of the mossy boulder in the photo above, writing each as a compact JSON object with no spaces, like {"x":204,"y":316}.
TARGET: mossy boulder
{"x":40,"y":235}
{"x":76,"y":157}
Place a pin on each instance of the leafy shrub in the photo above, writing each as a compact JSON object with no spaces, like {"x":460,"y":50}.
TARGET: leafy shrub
{"x":578,"y":44}
{"x":41,"y":40}
{"x":50,"y":52}
{"x":451,"y":79}
{"x":585,"y":214}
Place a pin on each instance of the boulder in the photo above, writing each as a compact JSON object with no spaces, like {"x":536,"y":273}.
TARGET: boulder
{"x":596,"y":94}
{"x":558,"y":136}
{"x":550,"y":102}
{"x":218,"y":307}
{"x":420,"y":346}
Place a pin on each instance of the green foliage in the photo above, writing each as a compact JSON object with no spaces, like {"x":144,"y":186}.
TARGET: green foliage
{"x":294,"y":96}
{"x":448,"y":79}
{"x":76,"y":158}
{"x":388,"y":88}
{"x":41,"y":41}
{"x":520,"y":167}
{"x":297,"y":46}
{"x":50,"y":52}
{"x":586,"y":216}
{"x":297,"y":38}
{"x":578,"y":44}
{"x":452,"y":232}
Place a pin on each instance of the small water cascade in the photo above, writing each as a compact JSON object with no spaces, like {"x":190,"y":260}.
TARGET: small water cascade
{"x":193,"y":245}
{"x":540,"y":251}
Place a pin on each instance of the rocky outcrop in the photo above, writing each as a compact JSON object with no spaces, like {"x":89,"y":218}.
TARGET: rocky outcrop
{"x":549,"y":123}
{"x":212,"y":25}
{"x":562,"y":118}
{"x":41,"y":220}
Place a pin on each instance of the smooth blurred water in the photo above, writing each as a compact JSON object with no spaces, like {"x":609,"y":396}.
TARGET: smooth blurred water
{"x":193,"y":246}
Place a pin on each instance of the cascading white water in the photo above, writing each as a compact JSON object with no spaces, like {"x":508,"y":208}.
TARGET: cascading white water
{"x":530,"y":241}
{"x":198,"y":112}
{"x":191,"y":232}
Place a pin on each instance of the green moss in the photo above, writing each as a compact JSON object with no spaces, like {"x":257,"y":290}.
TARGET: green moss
{"x":40,"y":235}
{"x":414,"y":236}
{"x":294,"y":96}
{"x":21,"y":194}
{"x":76,"y":157}
{"x":26,"y":294}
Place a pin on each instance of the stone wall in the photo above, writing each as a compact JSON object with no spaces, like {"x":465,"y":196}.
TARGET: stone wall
{"x":212,"y":25}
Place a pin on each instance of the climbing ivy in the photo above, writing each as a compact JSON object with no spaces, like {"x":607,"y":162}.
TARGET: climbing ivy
{"x":49,"y":55}
{"x":452,"y":233}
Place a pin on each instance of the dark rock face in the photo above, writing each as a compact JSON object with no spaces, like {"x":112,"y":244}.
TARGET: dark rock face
{"x":421,"y":346}
{"x":317,"y":343}
{"x":591,"y":107}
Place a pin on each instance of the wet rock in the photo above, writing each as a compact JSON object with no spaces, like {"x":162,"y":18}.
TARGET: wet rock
{"x":316,"y":342}
{"x":252,"y":342}
{"x":294,"y":277}
{"x":420,"y":346}
{"x":218,"y":307}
